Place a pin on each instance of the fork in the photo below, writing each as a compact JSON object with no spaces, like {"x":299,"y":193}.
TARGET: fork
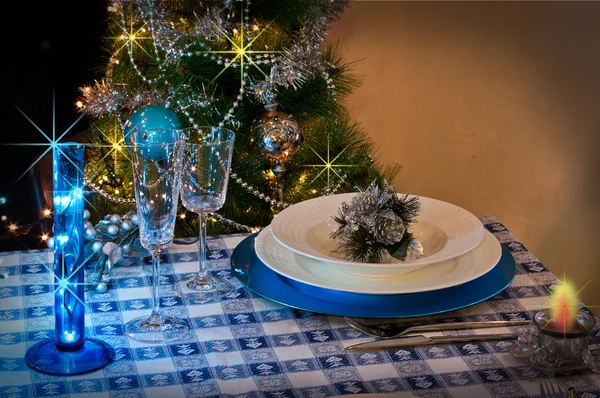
{"x":547,"y":390}
{"x":400,"y":330}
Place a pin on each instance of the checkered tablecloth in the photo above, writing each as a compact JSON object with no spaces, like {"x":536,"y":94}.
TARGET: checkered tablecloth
{"x":247,"y":346}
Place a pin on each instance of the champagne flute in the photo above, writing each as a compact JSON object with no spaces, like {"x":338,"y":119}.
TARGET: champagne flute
{"x":205,"y":174}
{"x":156,"y":156}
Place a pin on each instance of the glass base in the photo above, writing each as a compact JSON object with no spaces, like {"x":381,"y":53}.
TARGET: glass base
{"x":45,"y":358}
{"x":200,"y":289}
{"x":156,"y":329}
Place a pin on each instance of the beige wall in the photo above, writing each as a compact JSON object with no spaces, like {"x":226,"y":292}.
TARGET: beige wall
{"x":493,"y":106}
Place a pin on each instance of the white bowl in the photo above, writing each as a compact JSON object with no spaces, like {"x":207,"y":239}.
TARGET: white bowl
{"x":440,"y":275}
{"x":445,"y":231}
{"x":430,"y":236}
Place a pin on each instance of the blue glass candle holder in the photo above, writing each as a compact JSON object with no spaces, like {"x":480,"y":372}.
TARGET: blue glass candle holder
{"x":69,"y":352}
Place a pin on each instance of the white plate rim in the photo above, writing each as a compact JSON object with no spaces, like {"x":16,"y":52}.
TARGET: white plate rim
{"x":286,"y":217}
{"x":489,"y":247}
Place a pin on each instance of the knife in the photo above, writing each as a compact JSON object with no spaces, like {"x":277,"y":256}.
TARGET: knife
{"x":420,"y":340}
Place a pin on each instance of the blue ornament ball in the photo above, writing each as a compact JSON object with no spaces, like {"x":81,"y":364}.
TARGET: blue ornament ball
{"x":126,"y":225}
{"x":90,"y":233}
{"x":86,"y":215}
{"x":112,"y":230}
{"x":149,"y":118}
{"x":115,"y":219}
{"x":101,"y":287}
{"x":97,"y":246}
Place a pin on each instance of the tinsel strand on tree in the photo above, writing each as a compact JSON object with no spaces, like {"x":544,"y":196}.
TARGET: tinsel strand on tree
{"x":262,"y":69}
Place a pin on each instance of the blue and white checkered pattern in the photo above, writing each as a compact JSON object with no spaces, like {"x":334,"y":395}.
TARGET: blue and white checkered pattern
{"x":251,"y":347}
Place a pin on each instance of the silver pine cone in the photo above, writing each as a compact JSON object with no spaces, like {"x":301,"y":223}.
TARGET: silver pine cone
{"x":389,"y":229}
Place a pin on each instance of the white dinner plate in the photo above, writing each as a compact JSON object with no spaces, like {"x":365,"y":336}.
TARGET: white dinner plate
{"x":441,"y":275}
{"x":445,"y":230}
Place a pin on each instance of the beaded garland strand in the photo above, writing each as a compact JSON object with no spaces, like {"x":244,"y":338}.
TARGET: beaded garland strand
{"x":302,"y":59}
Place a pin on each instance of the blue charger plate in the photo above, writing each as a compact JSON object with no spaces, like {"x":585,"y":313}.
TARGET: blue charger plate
{"x":265,"y":282}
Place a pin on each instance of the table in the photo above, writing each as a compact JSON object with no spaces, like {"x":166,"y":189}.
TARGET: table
{"x":248,"y":346}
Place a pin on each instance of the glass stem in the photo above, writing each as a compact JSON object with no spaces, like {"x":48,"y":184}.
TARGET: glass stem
{"x":156,"y":283}
{"x":202,"y":247}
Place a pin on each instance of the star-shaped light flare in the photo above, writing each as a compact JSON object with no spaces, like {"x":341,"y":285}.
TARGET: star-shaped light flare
{"x":63,"y":281}
{"x":565,"y":305}
{"x":115,"y":140}
{"x":132,"y":38}
{"x":328,"y":165}
{"x":53,"y":143}
{"x":241,"y":49}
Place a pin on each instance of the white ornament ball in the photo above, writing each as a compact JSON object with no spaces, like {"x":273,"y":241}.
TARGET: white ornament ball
{"x":135,"y":219}
{"x":102,"y":287}
{"x":87,"y":224}
{"x":112,"y":230}
{"x":50,"y":243}
{"x":115,"y":219}
{"x":97,"y":246}
{"x":86,"y":214}
{"x":126,"y":225}
{"x":90,"y":233}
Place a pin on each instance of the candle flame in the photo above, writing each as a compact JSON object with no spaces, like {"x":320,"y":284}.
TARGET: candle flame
{"x":564,"y":306}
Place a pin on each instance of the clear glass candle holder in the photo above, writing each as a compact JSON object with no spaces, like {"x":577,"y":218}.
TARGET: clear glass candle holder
{"x":563,"y":342}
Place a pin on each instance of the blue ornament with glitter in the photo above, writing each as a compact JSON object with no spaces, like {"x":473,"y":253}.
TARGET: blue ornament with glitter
{"x":158,"y":121}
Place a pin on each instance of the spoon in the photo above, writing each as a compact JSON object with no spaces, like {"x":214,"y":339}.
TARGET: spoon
{"x":391,"y":331}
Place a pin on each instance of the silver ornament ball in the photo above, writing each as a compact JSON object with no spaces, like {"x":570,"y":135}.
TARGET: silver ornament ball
{"x":112,"y":230}
{"x":90,"y":233}
{"x":115,"y":219}
{"x":86,"y":215}
{"x":97,"y":246}
{"x":102,"y":287}
{"x":87,"y":224}
{"x":126,"y":225}
{"x":126,"y":248}
{"x":135,"y":220}
{"x":50,"y":243}
{"x":277,"y":136}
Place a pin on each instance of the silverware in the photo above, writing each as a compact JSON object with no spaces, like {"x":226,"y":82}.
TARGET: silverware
{"x":400,"y":330}
{"x":547,"y":390}
{"x":420,"y":340}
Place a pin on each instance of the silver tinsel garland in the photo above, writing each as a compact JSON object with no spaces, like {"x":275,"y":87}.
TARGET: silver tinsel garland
{"x":173,"y":38}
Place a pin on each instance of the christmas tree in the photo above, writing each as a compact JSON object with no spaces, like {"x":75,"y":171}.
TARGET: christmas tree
{"x":262,"y":69}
